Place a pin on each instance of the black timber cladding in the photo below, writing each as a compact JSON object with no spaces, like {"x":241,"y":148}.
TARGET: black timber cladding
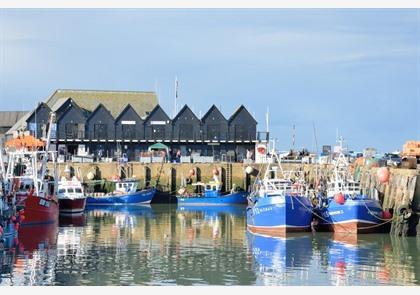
{"x":101,"y":124}
{"x":158,"y":125}
{"x":37,"y":121}
{"x":186,"y":125}
{"x":71,"y":121}
{"x":214,"y":125}
{"x":242,"y":125}
{"x":129,"y":125}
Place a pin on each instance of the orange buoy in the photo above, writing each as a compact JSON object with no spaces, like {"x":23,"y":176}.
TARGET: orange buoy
{"x":215,"y":171}
{"x":383,"y":174}
{"x":192,"y":172}
{"x":339,"y":198}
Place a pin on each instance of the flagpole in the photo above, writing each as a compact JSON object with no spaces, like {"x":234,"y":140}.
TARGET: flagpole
{"x":176,"y":96}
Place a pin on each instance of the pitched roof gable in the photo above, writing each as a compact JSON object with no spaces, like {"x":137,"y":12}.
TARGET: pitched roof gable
{"x":213,"y":108}
{"x":184,"y":109}
{"x":127,"y":107}
{"x":156,"y":108}
{"x":238,"y":111}
{"x":100,"y":106}
{"x":41,"y":104}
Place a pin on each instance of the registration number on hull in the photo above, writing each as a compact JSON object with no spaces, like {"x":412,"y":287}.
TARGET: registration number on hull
{"x":44,"y":203}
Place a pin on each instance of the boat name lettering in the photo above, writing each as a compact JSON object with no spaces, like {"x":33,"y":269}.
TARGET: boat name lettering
{"x":336,"y":212}
{"x":261,"y":210}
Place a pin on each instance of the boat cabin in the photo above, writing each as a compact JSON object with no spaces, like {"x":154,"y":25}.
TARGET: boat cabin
{"x":126,"y":186}
{"x":351,"y":188}
{"x":70,"y":188}
{"x":210,"y":189}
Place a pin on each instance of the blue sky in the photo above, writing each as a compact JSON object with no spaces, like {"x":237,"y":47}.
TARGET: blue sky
{"x":355,"y":70}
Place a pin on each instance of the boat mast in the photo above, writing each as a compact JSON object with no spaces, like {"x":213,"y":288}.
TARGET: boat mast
{"x":47,"y":148}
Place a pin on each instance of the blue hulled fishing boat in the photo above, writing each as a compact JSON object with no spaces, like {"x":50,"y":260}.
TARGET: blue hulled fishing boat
{"x":341,"y":205}
{"x":126,"y":192}
{"x":279,"y":205}
{"x":211,"y":195}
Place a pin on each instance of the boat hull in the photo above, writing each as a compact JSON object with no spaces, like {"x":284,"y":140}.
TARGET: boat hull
{"x":140,"y":197}
{"x":233,"y":198}
{"x":72,"y":206}
{"x":278,"y":215}
{"x":39,"y":210}
{"x":359,"y":215}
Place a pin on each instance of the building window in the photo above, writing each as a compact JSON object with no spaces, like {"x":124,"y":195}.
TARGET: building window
{"x":100,"y":131}
{"x":129,"y":131}
{"x":75,"y":130}
{"x":241,"y":132}
{"x":213,"y":132}
{"x":158,"y":132}
{"x":186,"y":131}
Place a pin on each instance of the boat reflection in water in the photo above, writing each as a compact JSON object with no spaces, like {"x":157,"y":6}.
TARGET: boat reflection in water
{"x":209,"y":221}
{"x":281,"y":260}
{"x":359,"y":259}
{"x":32,"y":261}
{"x":72,"y":220}
{"x":124,"y":215}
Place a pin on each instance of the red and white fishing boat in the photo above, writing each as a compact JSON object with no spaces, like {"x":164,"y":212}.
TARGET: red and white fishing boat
{"x":27,"y":179}
{"x":71,"y":198}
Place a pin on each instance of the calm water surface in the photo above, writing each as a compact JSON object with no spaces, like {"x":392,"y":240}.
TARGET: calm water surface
{"x":167,"y":245}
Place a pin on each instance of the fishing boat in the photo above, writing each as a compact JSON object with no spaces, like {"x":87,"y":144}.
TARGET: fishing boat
{"x":126,"y":193}
{"x":27,"y":181}
{"x":277,"y":205}
{"x":210,"y":193}
{"x":342,"y":207}
{"x":71,"y":198}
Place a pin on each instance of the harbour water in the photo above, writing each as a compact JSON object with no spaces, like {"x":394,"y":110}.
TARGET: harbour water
{"x":164,"y":244}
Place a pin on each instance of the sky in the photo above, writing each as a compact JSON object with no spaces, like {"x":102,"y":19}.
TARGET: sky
{"x":355,"y":71}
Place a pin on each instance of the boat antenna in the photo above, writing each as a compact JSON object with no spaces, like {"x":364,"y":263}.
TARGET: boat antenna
{"x":293,"y":138}
{"x":316,"y":149}
{"x":266,"y":118}
{"x":47,"y":147}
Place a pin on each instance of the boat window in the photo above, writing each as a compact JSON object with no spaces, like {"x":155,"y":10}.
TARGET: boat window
{"x":208,"y":187}
{"x":61,"y":191}
{"x":78,"y":190}
{"x":70,"y":190}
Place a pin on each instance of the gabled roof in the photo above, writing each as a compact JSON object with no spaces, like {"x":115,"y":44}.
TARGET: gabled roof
{"x":88,"y":100}
{"x":114,"y":101}
{"x":58,"y":106}
{"x":125,"y":110}
{"x":239,"y":110}
{"x":42,"y":104}
{"x":212,"y":108}
{"x":184,"y":109}
{"x":156,"y":108}
{"x":100,"y":106}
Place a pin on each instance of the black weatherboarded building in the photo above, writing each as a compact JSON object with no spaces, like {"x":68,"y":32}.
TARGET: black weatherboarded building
{"x":112,"y":123}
